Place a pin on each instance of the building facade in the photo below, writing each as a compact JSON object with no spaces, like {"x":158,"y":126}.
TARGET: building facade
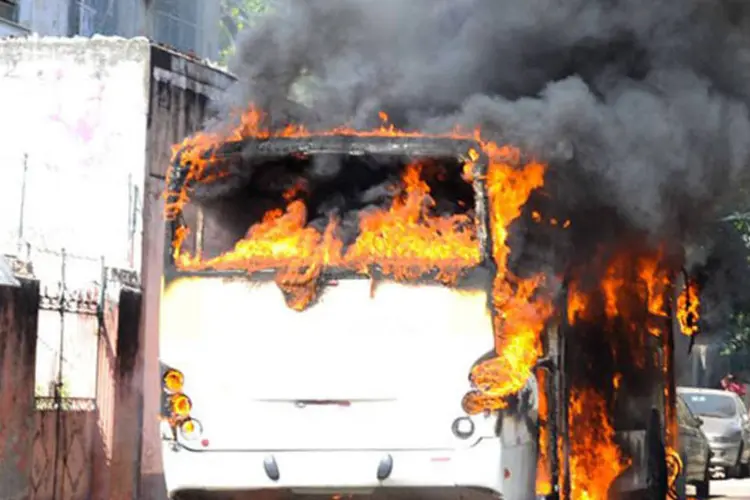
{"x":189,"y":26}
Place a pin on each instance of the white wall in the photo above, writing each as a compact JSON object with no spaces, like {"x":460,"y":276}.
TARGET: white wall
{"x":73,"y":124}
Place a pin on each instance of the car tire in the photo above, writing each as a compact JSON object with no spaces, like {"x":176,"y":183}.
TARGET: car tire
{"x":703,"y":488}
{"x":736,"y":471}
{"x":744,"y":471}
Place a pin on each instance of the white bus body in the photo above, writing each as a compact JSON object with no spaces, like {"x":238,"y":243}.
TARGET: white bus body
{"x":364,"y":378}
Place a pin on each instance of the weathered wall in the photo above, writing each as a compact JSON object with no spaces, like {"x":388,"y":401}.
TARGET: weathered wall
{"x":128,"y":420}
{"x":73,"y":161}
{"x":106,"y":387}
{"x":18,"y":324}
{"x":77,"y":136}
{"x":180,"y":90}
{"x":75,"y":177}
{"x":83,"y":451}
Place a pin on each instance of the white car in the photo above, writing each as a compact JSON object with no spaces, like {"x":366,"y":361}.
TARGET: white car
{"x":727,"y":426}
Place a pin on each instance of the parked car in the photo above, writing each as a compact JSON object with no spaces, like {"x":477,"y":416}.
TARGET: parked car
{"x":726,"y":424}
{"x":695,"y":452}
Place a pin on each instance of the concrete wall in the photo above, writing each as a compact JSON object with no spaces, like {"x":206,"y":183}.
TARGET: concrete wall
{"x":180,"y":90}
{"x":74,"y":129}
{"x":18,"y":322}
{"x":73,"y":157}
{"x":81,"y":452}
{"x":89,"y":144}
{"x":128,"y":419}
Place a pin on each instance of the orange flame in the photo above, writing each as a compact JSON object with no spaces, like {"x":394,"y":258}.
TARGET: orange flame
{"x":404,"y":241}
{"x":543,"y":472}
{"x":577,"y":303}
{"x":519,"y":315}
{"x":688,"y":309}
{"x":626,"y":276}
{"x":631,"y":297}
{"x":674,"y":469}
{"x":595,"y":459}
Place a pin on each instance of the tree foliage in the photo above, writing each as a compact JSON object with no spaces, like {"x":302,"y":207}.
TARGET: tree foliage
{"x":737,"y":340}
{"x":236,"y":15}
{"x":738,"y":337}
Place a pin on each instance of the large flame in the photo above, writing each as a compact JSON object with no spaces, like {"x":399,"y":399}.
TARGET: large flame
{"x":543,"y":469}
{"x":688,"y":308}
{"x":629,"y":304}
{"x":627,"y":277}
{"x":405,"y":242}
{"x":519,"y":315}
{"x":595,"y":459}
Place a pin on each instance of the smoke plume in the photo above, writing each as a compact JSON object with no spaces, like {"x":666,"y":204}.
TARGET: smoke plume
{"x":640,"y":107}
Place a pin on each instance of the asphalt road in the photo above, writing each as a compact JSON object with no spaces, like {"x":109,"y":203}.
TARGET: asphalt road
{"x":731,"y":489}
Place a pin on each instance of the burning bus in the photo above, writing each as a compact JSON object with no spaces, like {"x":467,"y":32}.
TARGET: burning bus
{"x":338,"y":316}
{"x":607,"y":418}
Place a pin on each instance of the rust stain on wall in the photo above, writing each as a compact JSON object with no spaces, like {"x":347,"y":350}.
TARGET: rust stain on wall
{"x":125,"y":469}
{"x":19,"y":307}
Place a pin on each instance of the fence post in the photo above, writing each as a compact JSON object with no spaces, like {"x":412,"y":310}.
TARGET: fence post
{"x":19,"y":308}
{"x":128,"y":399}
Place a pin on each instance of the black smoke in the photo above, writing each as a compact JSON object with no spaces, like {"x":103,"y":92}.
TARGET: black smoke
{"x":721,"y":270}
{"x":640,"y":108}
{"x":644,"y":104}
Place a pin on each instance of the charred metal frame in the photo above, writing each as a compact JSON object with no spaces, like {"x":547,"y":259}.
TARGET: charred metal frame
{"x":558,"y":389}
{"x":563,"y":393}
{"x":347,"y":145}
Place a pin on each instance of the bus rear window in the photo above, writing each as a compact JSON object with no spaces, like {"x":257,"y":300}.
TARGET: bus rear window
{"x":346,"y":212}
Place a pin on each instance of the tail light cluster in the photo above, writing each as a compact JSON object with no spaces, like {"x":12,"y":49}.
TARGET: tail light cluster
{"x":178,"y":406}
{"x":479,"y":419}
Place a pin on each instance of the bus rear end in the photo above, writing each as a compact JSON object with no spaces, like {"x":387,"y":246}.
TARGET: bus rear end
{"x":357,"y":391}
{"x":361,"y":391}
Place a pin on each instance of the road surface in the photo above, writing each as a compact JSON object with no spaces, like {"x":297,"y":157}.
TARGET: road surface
{"x":731,"y":489}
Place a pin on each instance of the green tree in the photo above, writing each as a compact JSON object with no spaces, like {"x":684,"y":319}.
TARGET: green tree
{"x":236,"y":15}
{"x":738,"y":337}
{"x":737,"y":340}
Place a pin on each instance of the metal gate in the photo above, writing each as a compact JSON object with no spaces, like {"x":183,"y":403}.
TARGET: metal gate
{"x":71,"y":322}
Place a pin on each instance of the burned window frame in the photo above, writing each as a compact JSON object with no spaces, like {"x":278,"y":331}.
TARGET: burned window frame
{"x":411,"y":148}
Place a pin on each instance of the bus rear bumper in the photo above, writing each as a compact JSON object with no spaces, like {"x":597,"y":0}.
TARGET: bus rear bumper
{"x":479,"y":467}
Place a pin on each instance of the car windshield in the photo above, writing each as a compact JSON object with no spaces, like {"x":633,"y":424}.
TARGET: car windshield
{"x":710,"y":405}
{"x":684,"y":415}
